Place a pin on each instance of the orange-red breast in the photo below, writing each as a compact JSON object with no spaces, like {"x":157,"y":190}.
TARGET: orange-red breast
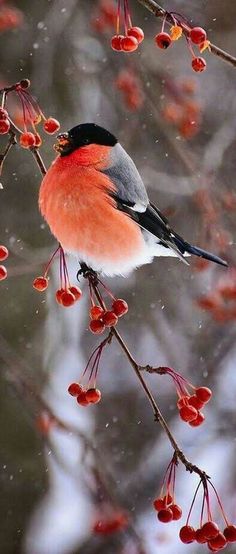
{"x":97,"y":207}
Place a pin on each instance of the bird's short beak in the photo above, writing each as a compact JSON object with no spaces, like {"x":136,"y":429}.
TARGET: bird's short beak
{"x":63,"y":145}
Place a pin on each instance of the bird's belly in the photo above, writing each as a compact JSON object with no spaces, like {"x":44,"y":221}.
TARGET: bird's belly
{"x":91,"y":227}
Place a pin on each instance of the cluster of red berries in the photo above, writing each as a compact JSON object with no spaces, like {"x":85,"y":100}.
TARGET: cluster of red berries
{"x":110,"y":524}
{"x":130,"y":86}
{"x":194,"y":35}
{"x":84,"y":396}
{"x":66,"y":295}
{"x":101,"y":319}
{"x":167,"y":510}
{"x":208,"y":532}
{"x":3,"y":256}
{"x":189,"y":406}
{"x":132,"y":36}
{"x":10,"y":18}
{"x":31,"y":115}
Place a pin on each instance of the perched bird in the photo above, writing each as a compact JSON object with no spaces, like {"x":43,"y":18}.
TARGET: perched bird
{"x":97,"y":207}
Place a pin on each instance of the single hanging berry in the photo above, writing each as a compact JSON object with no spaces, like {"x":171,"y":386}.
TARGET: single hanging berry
{"x":199,"y":64}
{"x":163,"y":40}
{"x":97,"y":326}
{"x":129,"y":44}
{"x":197,"y":35}
{"x":116,"y":42}
{"x":3,"y":272}
{"x":51,"y":125}
{"x":40,"y":283}
{"x":27,"y":139}
{"x":137,"y":33}
{"x":3,"y":253}
{"x":4,"y":126}
{"x":93,"y":396}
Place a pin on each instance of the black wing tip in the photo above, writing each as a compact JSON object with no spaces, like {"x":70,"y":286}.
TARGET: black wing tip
{"x":207,"y":255}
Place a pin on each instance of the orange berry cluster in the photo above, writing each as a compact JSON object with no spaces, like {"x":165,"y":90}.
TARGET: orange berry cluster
{"x":165,"y":505}
{"x":31,"y":115}
{"x":130,"y":86}
{"x":100,"y":318}
{"x":84,"y":396}
{"x":193,"y":35}
{"x":3,"y":256}
{"x":208,"y":531}
{"x":132,"y":36}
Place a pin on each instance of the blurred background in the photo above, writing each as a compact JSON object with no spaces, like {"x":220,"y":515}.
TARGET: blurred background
{"x":64,"y":467}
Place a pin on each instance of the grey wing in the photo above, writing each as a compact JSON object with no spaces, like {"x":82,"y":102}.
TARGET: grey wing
{"x":130,"y":189}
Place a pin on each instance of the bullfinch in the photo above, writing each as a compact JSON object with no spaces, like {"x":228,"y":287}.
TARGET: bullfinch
{"x":97,"y":207}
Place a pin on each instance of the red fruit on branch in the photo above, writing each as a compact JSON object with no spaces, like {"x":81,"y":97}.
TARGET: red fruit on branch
{"x":204,"y":394}
{"x":109,"y":319}
{"x":51,"y":125}
{"x":218,"y":542}
{"x":198,"y":421}
{"x":199,"y":64}
{"x":25,"y":83}
{"x":137,"y":33}
{"x":27,"y":139}
{"x":176,"y":511}
{"x":230,"y":533}
{"x":195,"y":402}
{"x":75,"y":389}
{"x":168,"y":499}
{"x":163,"y":40}
{"x":116,"y":42}
{"x":67,"y":299}
{"x":40,"y":283}
{"x":129,"y":44}
{"x":210,"y":530}
{"x":3,"y":253}
{"x":76,"y":291}
{"x":96,"y":312}
{"x":82,"y":400}
{"x":197,"y":35}
{"x":96,"y":326}
{"x":4,"y":126}
{"x":165,"y":515}
{"x":38,"y":140}
{"x":120,"y":307}
{"x":3,"y":272}
{"x":3,"y":113}
{"x":93,"y":396}
{"x":159,"y":504}
{"x":58,"y":295}
{"x":187,"y":534}
{"x":200,"y":537}
{"x":188,"y":413}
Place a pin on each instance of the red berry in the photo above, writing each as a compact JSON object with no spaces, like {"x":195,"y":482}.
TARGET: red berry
{"x":93,"y":396}
{"x":116,"y":42}
{"x":137,"y":33}
{"x":218,"y":542}
{"x":25,"y":83}
{"x":188,"y":413}
{"x":195,"y":402}
{"x":197,"y":35}
{"x":163,"y":40}
{"x":204,"y":394}
{"x":97,"y":326}
{"x":109,"y":319}
{"x":3,"y":272}
{"x":200,"y":537}
{"x":51,"y":125}
{"x":176,"y":511}
{"x":59,"y":295}
{"x":82,"y":400}
{"x":230,"y":533}
{"x":76,"y":291}
{"x":210,"y":530}
{"x":167,"y":499}
{"x":40,"y":283}
{"x":129,"y":44}
{"x":120,"y":307}
{"x":27,"y":140}
{"x":3,"y":113}
{"x":187,"y":534}
{"x":159,"y":504}
{"x":198,"y":421}
{"x":75,"y":389}
{"x":165,"y":515}
{"x":67,"y":299}
{"x":38,"y":140}
{"x":183,"y":401}
{"x":199,"y":64}
{"x":4,"y":126}
{"x":96,"y":312}
{"x":3,"y":253}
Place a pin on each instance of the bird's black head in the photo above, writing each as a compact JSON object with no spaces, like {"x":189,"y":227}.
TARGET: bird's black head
{"x":83,"y":135}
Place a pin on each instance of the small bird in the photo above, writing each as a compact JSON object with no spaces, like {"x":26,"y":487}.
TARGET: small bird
{"x":96,"y":205}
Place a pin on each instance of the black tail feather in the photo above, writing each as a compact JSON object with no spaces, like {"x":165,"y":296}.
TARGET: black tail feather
{"x":204,"y":254}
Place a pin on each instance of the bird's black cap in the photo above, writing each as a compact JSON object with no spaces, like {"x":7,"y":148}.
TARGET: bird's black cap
{"x":83,"y":135}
